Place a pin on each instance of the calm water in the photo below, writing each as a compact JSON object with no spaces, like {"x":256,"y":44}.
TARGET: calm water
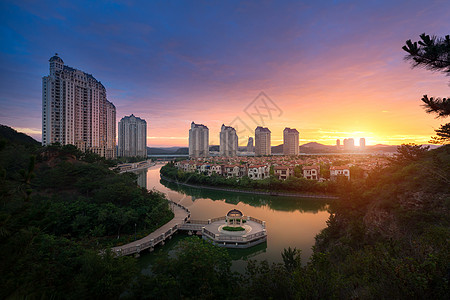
{"x":290,"y":222}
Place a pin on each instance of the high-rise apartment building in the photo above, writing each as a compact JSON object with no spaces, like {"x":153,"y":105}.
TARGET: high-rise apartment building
{"x":228,"y":141}
{"x":132,"y":137}
{"x":250,"y":147}
{"x":362,"y":143}
{"x":349,"y":144}
{"x":198,"y":140}
{"x":75,"y":110}
{"x":290,"y":141}
{"x":338,"y":143}
{"x":262,"y":141}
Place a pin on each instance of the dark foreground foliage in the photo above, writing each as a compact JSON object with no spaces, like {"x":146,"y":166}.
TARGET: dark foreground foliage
{"x":387,"y":238}
{"x":59,"y":208}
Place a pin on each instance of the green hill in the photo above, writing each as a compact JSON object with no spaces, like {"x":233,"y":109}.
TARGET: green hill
{"x":15,"y":137}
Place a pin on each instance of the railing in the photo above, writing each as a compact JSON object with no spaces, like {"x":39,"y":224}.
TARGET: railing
{"x":230,"y":238}
{"x":194,"y":225}
{"x":218,"y":219}
{"x":179,"y":205}
{"x":240,"y":238}
{"x":189,"y":226}
{"x":251,"y":236}
{"x":207,"y":232}
{"x":198,"y":222}
{"x":126,"y":250}
{"x":159,"y":238}
{"x":256,"y":220}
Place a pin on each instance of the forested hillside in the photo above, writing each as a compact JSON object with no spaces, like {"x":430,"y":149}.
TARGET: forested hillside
{"x":59,"y":209}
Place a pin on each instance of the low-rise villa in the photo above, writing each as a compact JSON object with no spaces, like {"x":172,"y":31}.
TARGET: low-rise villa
{"x":339,"y":171}
{"x":282,"y":172}
{"x":311,"y":172}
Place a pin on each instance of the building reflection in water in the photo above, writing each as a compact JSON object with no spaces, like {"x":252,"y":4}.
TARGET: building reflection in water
{"x":142,"y":178}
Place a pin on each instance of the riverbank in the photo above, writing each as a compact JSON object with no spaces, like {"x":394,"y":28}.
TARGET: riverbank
{"x":255,"y":192}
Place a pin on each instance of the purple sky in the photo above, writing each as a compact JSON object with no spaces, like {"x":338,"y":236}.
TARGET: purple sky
{"x":334,"y":68}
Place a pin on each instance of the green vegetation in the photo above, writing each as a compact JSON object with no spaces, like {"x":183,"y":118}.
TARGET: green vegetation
{"x":230,"y":228}
{"x":197,"y":270}
{"x":272,"y":184}
{"x":11,"y":136}
{"x":433,"y":53}
{"x":59,"y":208}
{"x":386,"y":238}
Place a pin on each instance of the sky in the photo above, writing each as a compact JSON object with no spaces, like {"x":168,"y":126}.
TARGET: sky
{"x":330,"y":69}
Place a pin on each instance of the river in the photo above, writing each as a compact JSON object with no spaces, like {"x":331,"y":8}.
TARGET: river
{"x":290,"y":222}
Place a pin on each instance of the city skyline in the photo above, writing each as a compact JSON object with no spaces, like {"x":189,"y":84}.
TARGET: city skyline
{"x":172,"y":70}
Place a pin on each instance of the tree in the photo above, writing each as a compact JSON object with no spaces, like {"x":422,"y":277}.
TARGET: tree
{"x":433,"y":53}
{"x":442,"y":135}
{"x":291,"y":259}
{"x":407,"y":153}
{"x":197,"y":270}
{"x":298,"y":172}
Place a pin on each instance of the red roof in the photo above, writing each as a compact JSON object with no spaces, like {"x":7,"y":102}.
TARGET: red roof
{"x":281,"y":168}
{"x":310,"y":168}
{"x":339,"y":168}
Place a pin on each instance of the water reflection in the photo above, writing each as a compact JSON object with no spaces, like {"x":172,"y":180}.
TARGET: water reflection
{"x":290,"y":221}
{"x":313,"y":205}
{"x":142,"y":178}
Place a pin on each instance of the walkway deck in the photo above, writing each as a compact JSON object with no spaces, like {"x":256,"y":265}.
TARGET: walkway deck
{"x":182,"y":215}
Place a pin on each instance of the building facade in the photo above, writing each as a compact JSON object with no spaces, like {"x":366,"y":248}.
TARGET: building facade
{"x":311,"y":172}
{"x":362,"y":143}
{"x":132,"y":137}
{"x":250,"y":147}
{"x":75,"y":110}
{"x":228,"y":141}
{"x":198,"y":140}
{"x":290,"y":141}
{"x":339,"y":171}
{"x":262,"y":141}
{"x":349,"y":144}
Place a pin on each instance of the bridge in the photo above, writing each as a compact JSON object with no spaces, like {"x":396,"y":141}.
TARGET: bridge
{"x":181,"y":216}
{"x":168,"y":157}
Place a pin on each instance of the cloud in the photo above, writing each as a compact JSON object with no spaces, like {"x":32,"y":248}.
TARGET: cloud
{"x":334,"y":66}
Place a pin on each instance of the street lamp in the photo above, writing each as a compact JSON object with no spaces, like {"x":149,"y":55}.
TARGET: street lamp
{"x":135,"y":231}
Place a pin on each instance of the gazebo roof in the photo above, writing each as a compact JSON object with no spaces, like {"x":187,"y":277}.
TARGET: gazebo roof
{"x":235,"y":213}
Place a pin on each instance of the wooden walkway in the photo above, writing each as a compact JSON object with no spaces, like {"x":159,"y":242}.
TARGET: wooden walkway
{"x":182,"y":215}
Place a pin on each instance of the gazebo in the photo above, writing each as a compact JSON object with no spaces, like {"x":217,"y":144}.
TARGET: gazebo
{"x":234,"y":218}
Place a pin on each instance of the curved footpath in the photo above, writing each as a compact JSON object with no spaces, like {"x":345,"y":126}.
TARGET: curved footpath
{"x":250,"y":192}
{"x":181,"y":215}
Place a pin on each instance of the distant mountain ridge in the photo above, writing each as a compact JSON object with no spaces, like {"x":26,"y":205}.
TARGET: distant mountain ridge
{"x":167,"y":150}
{"x":310,"y":147}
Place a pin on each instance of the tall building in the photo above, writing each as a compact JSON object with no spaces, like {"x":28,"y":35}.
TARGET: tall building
{"x":198,"y":140}
{"x":132,"y":137}
{"x":349,"y":144}
{"x":362,"y":143}
{"x":75,"y":110}
{"x":228,"y":141}
{"x":290,"y":141}
{"x":262,"y":141}
{"x":250,"y":147}
{"x":338,"y":143}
